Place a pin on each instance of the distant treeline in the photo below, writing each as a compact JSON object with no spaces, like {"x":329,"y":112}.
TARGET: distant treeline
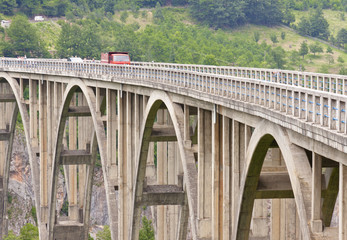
{"x":217,"y":13}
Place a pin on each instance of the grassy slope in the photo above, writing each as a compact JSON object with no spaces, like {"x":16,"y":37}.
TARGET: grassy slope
{"x":50,"y":30}
{"x":292,"y":41}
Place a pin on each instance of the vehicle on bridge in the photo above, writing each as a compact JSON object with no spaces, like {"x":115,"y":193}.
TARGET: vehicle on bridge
{"x":115,"y":58}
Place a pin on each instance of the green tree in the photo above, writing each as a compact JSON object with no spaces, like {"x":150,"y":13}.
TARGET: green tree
{"x":283,"y":35}
{"x":210,"y":59}
{"x":24,"y":39}
{"x":256,"y":36}
{"x":315,"y":48}
{"x":104,"y":234}
{"x":7,"y":6}
{"x":329,"y":50}
{"x":273,"y":38}
{"x":319,"y":25}
{"x":278,"y":54}
{"x":11,"y":236}
{"x":158,"y":14}
{"x":340,"y":59}
{"x":29,"y":232}
{"x":146,"y":232}
{"x":303,"y":49}
{"x":341,"y":37}
{"x":267,"y":12}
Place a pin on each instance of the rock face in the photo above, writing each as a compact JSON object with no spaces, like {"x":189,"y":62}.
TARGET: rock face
{"x":20,"y":203}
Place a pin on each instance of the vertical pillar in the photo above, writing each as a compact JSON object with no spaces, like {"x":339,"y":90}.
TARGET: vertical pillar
{"x":316,"y":222}
{"x":343,"y":202}
{"x":43,"y":129}
{"x":172,"y":211}
{"x":33,"y":113}
{"x":217,"y":179}
{"x":161,"y":176}
{"x":72,"y":173}
{"x":204,"y":173}
{"x":122,"y":167}
{"x":235,"y":167}
{"x":111,"y":107}
{"x":130,"y":143}
{"x":227,"y":149}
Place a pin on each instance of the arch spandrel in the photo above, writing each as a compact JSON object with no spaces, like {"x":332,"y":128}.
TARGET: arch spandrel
{"x":100,"y":137}
{"x":33,"y":164}
{"x":299,"y":171}
{"x":188,"y":162}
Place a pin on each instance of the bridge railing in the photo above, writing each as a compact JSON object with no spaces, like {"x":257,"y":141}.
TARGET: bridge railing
{"x":311,"y":101}
{"x":332,"y":83}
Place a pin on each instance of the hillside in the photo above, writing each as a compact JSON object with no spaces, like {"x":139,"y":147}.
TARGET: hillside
{"x":171,"y":35}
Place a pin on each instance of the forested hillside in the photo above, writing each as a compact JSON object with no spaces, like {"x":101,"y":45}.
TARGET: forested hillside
{"x":196,"y":31}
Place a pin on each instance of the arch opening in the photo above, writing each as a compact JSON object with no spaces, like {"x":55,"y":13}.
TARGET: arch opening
{"x":290,"y":177}
{"x":153,"y":117}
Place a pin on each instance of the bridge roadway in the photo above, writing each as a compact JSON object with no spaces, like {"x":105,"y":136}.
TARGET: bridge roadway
{"x":215,"y":152}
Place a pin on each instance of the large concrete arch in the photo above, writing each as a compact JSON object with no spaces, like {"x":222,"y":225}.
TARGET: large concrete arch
{"x":33,"y":164}
{"x":299,"y":171}
{"x":156,"y":99}
{"x":88,"y":93}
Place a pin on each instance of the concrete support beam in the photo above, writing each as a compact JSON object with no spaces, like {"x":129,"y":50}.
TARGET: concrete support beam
{"x":79,"y":111}
{"x":4,"y":135}
{"x":164,"y":133}
{"x":162,"y":195}
{"x":75,"y":157}
{"x":7,"y":98}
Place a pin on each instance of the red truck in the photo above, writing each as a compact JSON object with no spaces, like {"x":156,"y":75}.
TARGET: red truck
{"x":115,"y":58}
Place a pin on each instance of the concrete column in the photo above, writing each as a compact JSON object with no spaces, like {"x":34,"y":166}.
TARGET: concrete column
{"x":33,"y":113}
{"x":217,"y":184}
{"x":43,"y":131}
{"x":187,"y":141}
{"x":161,"y":175}
{"x":172,"y":211}
{"x":204,"y":173}
{"x":227,"y":200}
{"x":72,"y":173}
{"x":122,"y":168}
{"x":130,"y":148}
{"x":111,"y":107}
{"x":343,"y":202}
{"x":316,"y":222}
{"x":235,"y":166}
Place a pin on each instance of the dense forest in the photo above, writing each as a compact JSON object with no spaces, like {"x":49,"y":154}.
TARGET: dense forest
{"x":88,"y":27}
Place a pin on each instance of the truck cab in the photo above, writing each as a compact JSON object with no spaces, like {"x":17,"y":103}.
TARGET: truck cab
{"x":115,"y":58}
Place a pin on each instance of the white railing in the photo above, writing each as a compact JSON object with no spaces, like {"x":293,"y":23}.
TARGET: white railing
{"x":319,"y":99}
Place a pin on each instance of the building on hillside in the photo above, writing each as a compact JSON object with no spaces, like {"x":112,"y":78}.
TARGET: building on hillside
{"x":39,"y":18}
{"x":5,"y":23}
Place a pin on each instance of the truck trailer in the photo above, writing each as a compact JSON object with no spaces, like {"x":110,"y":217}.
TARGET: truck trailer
{"x":115,"y":58}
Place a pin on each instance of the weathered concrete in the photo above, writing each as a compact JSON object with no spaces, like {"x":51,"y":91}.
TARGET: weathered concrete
{"x":211,"y":126}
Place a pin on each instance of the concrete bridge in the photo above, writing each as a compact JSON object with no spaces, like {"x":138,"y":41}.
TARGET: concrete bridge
{"x":215,"y":152}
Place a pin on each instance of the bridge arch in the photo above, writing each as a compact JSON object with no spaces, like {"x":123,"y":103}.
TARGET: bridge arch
{"x":21,"y":108}
{"x":98,"y":140}
{"x":299,"y":171}
{"x":156,"y":100}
